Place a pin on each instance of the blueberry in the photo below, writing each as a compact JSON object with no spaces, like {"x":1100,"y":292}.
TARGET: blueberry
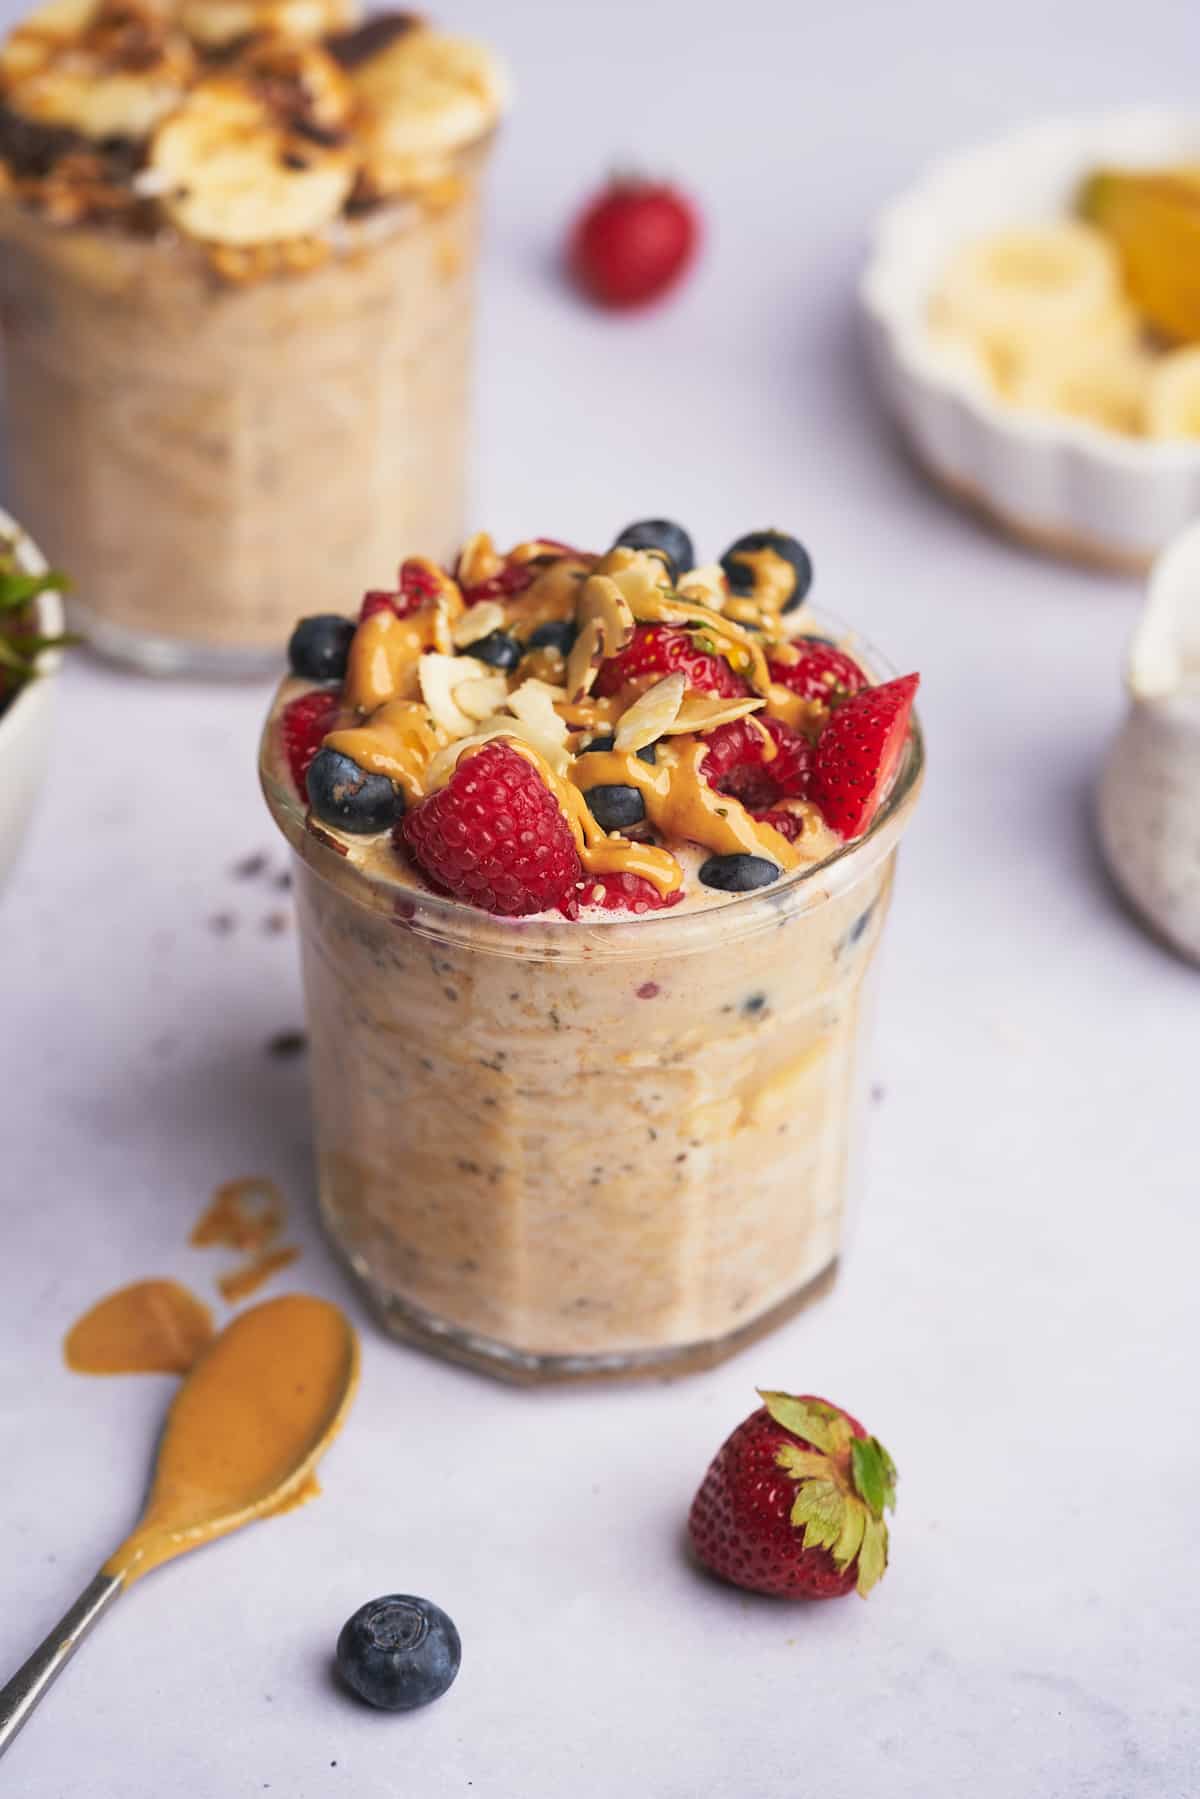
{"x":555,"y":634}
{"x":399,"y":1652}
{"x":497,"y":648}
{"x":738,"y":874}
{"x":319,"y":646}
{"x":743,"y":578}
{"x":647,"y":754}
{"x":344,"y":795}
{"x":670,"y":540}
{"x":615,"y":807}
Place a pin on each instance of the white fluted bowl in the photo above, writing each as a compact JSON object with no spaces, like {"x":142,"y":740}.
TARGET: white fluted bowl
{"x":1062,"y":483}
{"x":25,"y":725}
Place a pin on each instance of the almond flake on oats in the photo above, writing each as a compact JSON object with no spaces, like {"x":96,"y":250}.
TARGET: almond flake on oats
{"x":700,"y":712}
{"x":533,"y":703}
{"x":478,"y":560}
{"x":652,"y":713}
{"x":706,"y":585}
{"x":606,"y":626}
{"x":441,"y":677}
{"x":478,"y":621}
{"x":480,"y":699}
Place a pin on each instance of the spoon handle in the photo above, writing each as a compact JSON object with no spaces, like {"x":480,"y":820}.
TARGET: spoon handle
{"x":48,"y":1660}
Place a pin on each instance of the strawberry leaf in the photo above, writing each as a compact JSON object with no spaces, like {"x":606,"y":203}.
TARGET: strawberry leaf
{"x":853,"y":1530}
{"x":804,"y":1464}
{"x":874,"y":1474}
{"x":18,"y":588}
{"x":819,"y":1424}
{"x":873,"y":1556}
{"x":820,"y":1507}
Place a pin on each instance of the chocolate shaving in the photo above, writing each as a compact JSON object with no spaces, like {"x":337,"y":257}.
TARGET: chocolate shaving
{"x":353,"y":48}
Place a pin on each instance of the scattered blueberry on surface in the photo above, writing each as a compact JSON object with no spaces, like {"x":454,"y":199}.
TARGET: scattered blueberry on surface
{"x":345,"y":796}
{"x":497,"y":649}
{"x":669,"y":539}
{"x":399,"y":1652}
{"x":738,"y":874}
{"x":556,"y":634}
{"x":741,"y":575}
{"x":319,"y":646}
{"x":615,"y":807}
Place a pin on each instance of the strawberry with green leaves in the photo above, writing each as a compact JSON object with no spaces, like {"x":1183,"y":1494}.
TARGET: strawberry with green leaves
{"x":793,"y":1502}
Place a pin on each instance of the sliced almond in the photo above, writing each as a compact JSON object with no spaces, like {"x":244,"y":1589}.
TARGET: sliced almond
{"x":480,"y":699}
{"x":534,"y":704}
{"x":478,"y":560}
{"x":440,"y":677}
{"x":606,"y":626}
{"x":704,"y":712}
{"x":478,"y":621}
{"x":443,"y":765}
{"x":652,"y":714}
{"x":706,"y":586}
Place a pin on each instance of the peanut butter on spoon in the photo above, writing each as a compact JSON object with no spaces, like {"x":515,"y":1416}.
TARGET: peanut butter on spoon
{"x":241,"y":1441}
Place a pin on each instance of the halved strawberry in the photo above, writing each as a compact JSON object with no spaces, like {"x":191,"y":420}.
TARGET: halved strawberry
{"x":737,"y":763}
{"x":304,"y":724}
{"x":416,"y":585}
{"x":857,"y":754}
{"x":513,"y":579}
{"x":823,"y":672}
{"x":662,"y":650}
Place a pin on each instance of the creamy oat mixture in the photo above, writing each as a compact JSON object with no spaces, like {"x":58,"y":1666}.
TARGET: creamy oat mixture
{"x":548,"y":1146}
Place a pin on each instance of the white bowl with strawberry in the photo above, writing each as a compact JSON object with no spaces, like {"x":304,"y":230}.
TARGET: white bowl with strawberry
{"x":31,"y":623}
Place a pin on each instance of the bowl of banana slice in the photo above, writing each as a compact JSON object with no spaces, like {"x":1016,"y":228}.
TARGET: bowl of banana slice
{"x":1033,"y":322}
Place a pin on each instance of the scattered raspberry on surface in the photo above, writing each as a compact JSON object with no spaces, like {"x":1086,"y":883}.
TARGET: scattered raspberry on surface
{"x":663,"y":650}
{"x":823,"y":673}
{"x":626,"y":893}
{"x":303,"y":725}
{"x":495,"y":837}
{"x":736,"y":764}
{"x":632,"y":242}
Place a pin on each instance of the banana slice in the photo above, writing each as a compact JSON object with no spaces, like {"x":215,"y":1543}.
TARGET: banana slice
{"x":111,"y":70}
{"x":215,"y":23}
{"x":252,"y":160}
{"x":1173,"y":395}
{"x":424,"y":97}
{"x":1107,"y":383}
{"x":1017,"y":290}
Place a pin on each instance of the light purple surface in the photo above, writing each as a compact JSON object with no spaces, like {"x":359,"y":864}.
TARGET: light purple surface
{"x":1019,"y":1320}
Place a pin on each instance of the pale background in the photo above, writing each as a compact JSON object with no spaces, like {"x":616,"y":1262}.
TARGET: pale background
{"x":1018,"y":1322}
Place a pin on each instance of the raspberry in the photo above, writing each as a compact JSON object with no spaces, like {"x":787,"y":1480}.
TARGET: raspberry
{"x":663,"y":649}
{"x":513,"y":579}
{"x":495,"y":837}
{"x":736,"y":764}
{"x":303,"y":725}
{"x":627,"y":893}
{"x":417,"y":584}
{"x":823,"y":673}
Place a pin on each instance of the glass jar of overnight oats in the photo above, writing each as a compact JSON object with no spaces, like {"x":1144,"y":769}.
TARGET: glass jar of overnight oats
{"x":236,"y":290}
{"x":609,"y":1144}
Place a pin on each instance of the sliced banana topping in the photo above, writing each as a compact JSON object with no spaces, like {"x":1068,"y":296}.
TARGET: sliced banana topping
{"x":424,"y":96}
{"x":1173,"y":395}
{"x":258,"y":155}
{"x":215,"y":23}
{"x":111,"y":70}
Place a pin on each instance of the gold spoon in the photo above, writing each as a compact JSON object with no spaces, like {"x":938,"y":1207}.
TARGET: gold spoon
{"x":241,"y":1440}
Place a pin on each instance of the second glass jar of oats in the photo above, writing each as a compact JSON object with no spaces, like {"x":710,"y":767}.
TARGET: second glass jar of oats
{"x":239,"y":243}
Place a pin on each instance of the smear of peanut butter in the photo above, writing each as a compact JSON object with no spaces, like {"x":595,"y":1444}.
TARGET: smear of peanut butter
{"x":150,"y":1327}
{"x":246,"y":1214}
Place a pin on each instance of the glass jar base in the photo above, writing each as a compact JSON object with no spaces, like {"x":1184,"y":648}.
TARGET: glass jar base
{"x":423,"y":1330}
{"x":175,"y":656}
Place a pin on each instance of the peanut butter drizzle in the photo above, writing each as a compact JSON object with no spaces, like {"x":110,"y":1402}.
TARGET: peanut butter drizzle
{"x":680,"y":803}
{"x":774,"y":584}
{"x":246,"y":1429}
{"x":548,"y":599}
{"x":398,"y":741}
{"x":742,"y":650}
{"x":246,"y":1214}
{"x":150,"y":1327}
{"x":599,"y":853}
{"x":385,"y":650}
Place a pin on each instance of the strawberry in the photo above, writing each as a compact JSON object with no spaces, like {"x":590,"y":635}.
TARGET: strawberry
{"x":416,"y":585}
{"x":496,"y":837}
{"x":632,"y":242}
{"x":857,"y":754}
{"x":823,"y":672}
{"x":513,"y":579}
{"x":304,"y":724}
{"x":736,"y":763}
{"x":627,"y":893}
{"x":793,"y":1502}
{"x":661,"y":650}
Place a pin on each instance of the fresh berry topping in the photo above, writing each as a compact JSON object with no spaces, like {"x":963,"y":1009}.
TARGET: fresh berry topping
{"x":398,"y":1653}
{"x":647,"y":753}
{"x":627,"y":893}
{"x":556,"y":634}
{"x":510,"y":581}
{"x":303,"y":726}
{"x":497,"y":838}
{"x":376,"y":599}
{"x":739,"y":873}
{"x":793,"y":1502}
{"x":788,"y":824}
{"x":661,"y":650}
{"x":857,"y":754}
{"x":632,"y":242}
{"x":417,"y":583}
{"x":497,"y":649}
{"x":345,"y":796}
{"x":318,"y":647}
{"x":823,"y":672}
{"x":669,"y":540}
{"x":615,"y":807}
{"x":769,"y":566}
{"x":737,"y":763}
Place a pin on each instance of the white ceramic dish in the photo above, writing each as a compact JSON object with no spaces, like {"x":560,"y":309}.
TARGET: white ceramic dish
{"x":1148,"y":804}
{"x":1066,"y":485}
{"x":25,"y":725}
